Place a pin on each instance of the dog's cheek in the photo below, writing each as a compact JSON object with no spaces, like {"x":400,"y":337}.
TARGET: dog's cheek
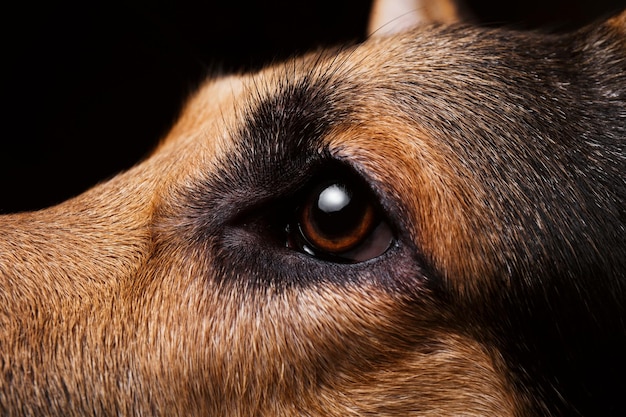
{"x":228,"y":347}
{"x":256,"y":328}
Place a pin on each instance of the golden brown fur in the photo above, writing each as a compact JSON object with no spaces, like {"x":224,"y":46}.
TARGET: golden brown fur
{"x":148,"y":295}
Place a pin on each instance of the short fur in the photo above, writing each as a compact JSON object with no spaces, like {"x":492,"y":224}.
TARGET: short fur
{"x":498,"y":158}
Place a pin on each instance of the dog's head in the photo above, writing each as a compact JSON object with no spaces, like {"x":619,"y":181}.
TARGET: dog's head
{"x":430,"y":223}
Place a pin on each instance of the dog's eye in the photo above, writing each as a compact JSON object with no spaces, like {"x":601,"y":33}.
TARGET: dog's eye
{"x":338,"y":220}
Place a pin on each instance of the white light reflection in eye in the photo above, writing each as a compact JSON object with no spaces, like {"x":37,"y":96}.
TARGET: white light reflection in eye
{"x":333,"y":199}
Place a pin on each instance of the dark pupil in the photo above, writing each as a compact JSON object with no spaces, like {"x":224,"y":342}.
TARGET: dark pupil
{"x":335,"y":213}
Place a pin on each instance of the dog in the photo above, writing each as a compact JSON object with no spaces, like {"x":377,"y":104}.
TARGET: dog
{"x":430,"y":223}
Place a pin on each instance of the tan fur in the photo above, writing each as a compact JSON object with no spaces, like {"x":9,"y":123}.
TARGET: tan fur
{"x":91,"y":307}
{"x":106,"y":306}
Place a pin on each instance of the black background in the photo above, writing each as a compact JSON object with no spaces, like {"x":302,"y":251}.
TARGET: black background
{"x":88,"y":89}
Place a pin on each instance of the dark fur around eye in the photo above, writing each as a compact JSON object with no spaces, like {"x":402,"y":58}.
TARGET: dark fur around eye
{"x":333,"y":216}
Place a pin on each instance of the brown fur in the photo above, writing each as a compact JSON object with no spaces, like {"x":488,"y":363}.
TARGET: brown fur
{"x":148,"y":295}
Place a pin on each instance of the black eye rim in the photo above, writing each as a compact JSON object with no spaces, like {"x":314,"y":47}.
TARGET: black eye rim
{"x":267,"y":220}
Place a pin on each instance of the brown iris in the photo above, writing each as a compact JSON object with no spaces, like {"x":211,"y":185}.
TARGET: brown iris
{"x":338,"y":220}
{"x":335,"y":220}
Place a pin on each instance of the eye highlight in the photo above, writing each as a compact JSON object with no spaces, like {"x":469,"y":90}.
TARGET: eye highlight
{"x":338,"y":220}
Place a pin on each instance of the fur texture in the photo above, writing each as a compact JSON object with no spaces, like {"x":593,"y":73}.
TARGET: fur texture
{"x":498,"y":160}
